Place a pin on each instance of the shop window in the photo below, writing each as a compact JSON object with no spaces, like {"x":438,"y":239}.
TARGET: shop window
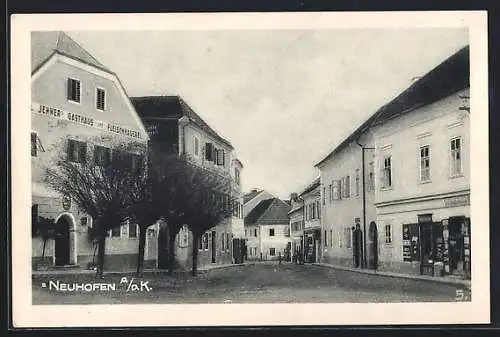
{"x":388,"y":234}
{"x":100,"y":99}
{"x":74,"y":90}
{"x":411,"y":242}
{"x":456,"y":156}
{"x":425,"y":164}
{"x":77,"y":151}
{"x":272,"y":251}
{"x":102,"y":156}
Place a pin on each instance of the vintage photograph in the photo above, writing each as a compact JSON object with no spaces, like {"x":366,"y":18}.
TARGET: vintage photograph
{"x":287,"y":165}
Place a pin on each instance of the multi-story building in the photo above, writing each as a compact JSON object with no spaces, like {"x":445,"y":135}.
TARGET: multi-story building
{"x":296,"y":216}
{"x":422,"y":163}
{"x":267,"y":230}
{"x":312,"y":221}
{"x":174,"y":127}
{"x":79,"y":112}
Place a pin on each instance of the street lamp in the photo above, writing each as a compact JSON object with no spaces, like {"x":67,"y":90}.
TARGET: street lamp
{"x":363,"y":149}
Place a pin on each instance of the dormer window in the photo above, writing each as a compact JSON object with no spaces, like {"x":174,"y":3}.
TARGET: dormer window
{"x":74,"y":90}
{"x":100,"y":99}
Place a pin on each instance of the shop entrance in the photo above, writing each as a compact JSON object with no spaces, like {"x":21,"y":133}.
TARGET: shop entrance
{"x":457,"y":231}
{"x":372,"y":246}
{"x":431,"y":245}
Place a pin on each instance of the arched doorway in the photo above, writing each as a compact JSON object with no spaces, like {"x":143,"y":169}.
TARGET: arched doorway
{"x":64,"y":249}
{"x":372,"y":246}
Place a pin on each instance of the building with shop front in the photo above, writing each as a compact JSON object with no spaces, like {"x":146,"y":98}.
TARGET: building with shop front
{"x":296,"y":216}
{"x":311,"y":196}
{"x":268,"y":231}
{"x":422,"y":196}
{"x":175,"y":128}
{"x":79,"y":112}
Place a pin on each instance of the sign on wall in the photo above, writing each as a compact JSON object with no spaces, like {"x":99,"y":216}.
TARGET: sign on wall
{"x":83,"y":120}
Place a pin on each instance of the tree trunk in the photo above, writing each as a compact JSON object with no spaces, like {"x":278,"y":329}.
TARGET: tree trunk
{"x":101,"y":254}
{"x":142,"y":245}
{"x":196,"y":239}
{"x":172,"y":233}
{"x":43,"y":249}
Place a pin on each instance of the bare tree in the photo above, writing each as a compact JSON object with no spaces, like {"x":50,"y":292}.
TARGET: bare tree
{"x":101,"y":189}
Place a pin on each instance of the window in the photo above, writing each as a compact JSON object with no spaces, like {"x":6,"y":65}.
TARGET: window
{"x":127,"y":160}
{"x":271,"y":231}
{"x":102,"y":155}
{"x":337,"y":184}
{"x":196,"y":145}
{"x":100,"y":99}
{"x":425,"y":164}
{"x":325,"y":242}
{"x":387,"y":173}
{"x":255,"y":232}
{"x":209,"y":152}
{"x":347,"y":237}
{"x":223,"y":241}
{"x":357,"y":183}
{"x":204,"y":240}
{"x":330,"y":192}
{"x":77,"y":151}
{"x":237,"y":176}
{"x":245,"y":232}
{"x":324,"y":195}
{"x":331,"y":238}
{"x":456,"y":156}
{"x":34,"y":147}
{"x":221,"y":155}
{"x":272,"y":251}
{"x":228,"y":241}
{"x":132,"y":230}
{"x":116,"y":232}
{"x":74,"y":90}
{"x":200,"y":243}
{"x":346,"y":184}
{"x":319,"y":209}
{"x":371,"y":178}
{"x":388,"y":234}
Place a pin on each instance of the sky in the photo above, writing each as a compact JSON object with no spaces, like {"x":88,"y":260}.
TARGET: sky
{"x":284,"y":98}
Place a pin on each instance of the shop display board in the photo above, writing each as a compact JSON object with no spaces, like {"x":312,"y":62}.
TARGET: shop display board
{"x":411,"y":251}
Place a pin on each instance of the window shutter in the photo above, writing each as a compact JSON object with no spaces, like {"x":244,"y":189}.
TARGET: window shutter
{"x":208,"y":151}
{"x":68,"y":91}
{"x":214,"y":154}
{"x":82,"y":152}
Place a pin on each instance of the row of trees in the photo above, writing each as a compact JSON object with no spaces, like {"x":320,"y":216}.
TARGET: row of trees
{"x":143,"y":189}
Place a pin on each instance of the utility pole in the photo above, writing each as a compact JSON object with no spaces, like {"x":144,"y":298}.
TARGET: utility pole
{"x":364,"y":262}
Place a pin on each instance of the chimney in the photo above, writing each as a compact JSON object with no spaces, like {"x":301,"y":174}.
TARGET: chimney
{"x":253,"y":190}
{"x":293,"y":196}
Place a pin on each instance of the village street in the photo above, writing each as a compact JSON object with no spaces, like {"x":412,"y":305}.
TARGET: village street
{"x":249,"y":283}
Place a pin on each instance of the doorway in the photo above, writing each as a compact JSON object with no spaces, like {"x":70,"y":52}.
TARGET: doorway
{"x":357,"y":246}
{"x":62,"y":241}
{"x":372,"y":246}
{"x":456,"y":245}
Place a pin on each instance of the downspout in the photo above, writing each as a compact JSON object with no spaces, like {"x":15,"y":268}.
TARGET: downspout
{"x":363,"y":264}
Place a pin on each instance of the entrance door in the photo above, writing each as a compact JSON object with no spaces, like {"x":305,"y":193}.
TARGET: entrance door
{"x":62,"y":242}
{"x":372,"y":246}
{"x":456,"y":245}
{"x":214,"y":246}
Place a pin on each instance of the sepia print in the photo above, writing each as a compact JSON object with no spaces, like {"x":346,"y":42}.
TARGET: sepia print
{"x":281,"y":165}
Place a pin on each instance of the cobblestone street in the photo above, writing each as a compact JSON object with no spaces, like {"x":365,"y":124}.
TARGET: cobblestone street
{"x":250,"y":283}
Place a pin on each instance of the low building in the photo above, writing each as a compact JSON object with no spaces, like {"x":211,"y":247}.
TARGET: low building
{"x":312,"y":221}
{"x":296,"y":216}
{"x":268,"y":231}
{"x":79,"y":112}
{"x":174,"y":127}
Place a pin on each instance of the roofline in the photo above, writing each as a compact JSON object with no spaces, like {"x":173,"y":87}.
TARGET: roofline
{"x":373,"y":118}
{"x":316,"y":183}
{"x":255,"y":196}
{"x":239,"y":161}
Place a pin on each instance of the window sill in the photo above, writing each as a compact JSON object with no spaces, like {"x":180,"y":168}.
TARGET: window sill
{"x":386,"y":189}
{"x":425,"y":182}
{"x":456,"y":176}
{"x":74,"y":102}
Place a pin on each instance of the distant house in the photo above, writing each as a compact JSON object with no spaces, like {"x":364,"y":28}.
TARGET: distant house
{"x":267,"y":230}
{"x":312,"y":224}
{"x":174,"y":127}
{"x":253,"y":198}
{"x":296,"y":215}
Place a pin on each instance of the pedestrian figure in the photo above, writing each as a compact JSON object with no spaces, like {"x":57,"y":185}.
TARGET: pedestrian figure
{"x":279,"y":257}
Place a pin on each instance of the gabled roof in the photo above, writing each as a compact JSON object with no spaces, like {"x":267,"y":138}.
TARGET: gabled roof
{"x":311,"y":186}
{"x":269,"y":211}
{"x":252,"y":194}
{"x":45,"y":43}
{"x":173,"y":107}
{"x":450,"y":76}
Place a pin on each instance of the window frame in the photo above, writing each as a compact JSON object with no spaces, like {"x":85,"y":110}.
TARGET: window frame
{"x":272,"y":251}
{"x":79,"y":158}
{"x":422,"y":160}
{"x":452,"y":157}
{"x":79,"y":102}
{"x":272,"y":232}
{"x":196,"y":146}
{"x":97,"y":156}
{"x":386,"y":185}
{"x":133,"y":225}
{"x":388,"y":230}
{"x":357,"y":179}
{"x":105,"y":100}
{"x":119,"y":228}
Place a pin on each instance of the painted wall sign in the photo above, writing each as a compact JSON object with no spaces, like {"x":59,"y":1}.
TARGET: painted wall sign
{"x":83,"y":120}
{"x":462,"y":200}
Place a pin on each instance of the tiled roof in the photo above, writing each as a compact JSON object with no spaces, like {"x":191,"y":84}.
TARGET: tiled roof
{"x":172,"y":106}
{"x":450,"y":76}
{"x":269,"y":211}
{"x":45,"y":43}
{"x":249,"y":196}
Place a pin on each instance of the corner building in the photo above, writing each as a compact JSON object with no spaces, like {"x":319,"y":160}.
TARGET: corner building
{"x":79,"y":111}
